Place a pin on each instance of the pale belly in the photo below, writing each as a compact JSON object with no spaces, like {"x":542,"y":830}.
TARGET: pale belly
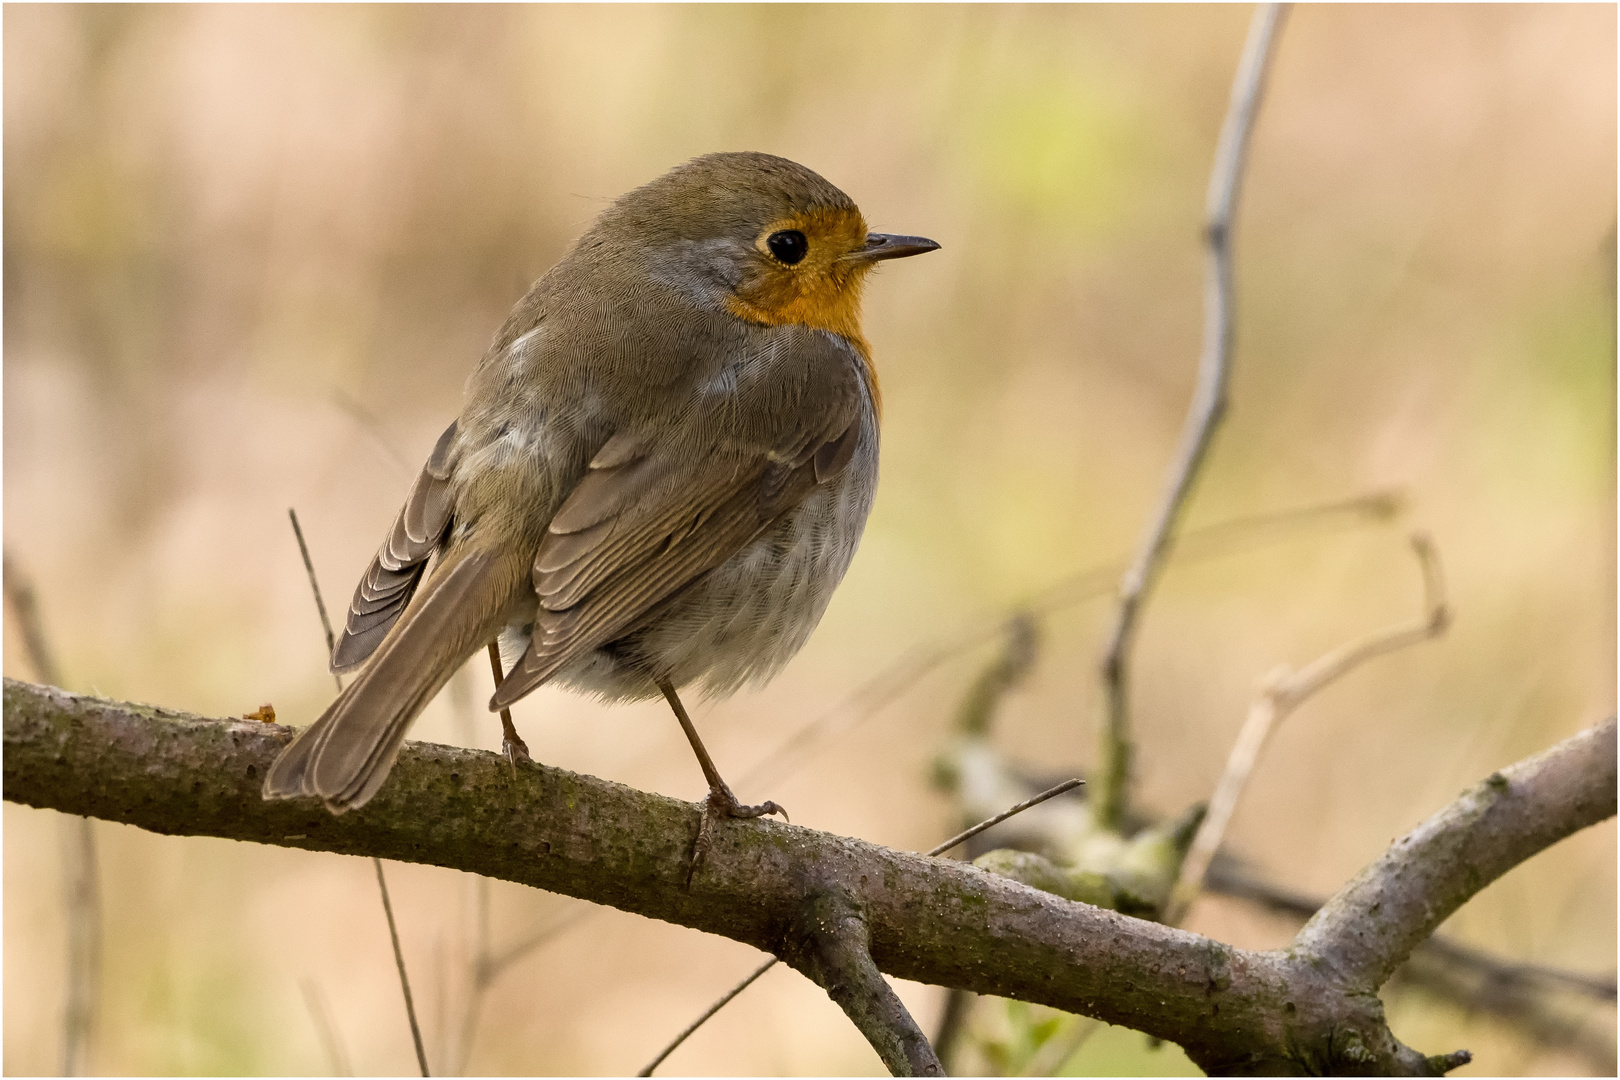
{"x":744,"y":620}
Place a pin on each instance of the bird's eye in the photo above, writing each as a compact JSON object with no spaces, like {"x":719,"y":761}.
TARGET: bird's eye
{"x":789,"y":245}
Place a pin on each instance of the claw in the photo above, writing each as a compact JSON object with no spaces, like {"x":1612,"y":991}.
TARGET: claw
{"x":722,"y":803}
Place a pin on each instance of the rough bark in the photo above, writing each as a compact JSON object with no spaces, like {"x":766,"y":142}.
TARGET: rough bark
{"x":927,"y":919}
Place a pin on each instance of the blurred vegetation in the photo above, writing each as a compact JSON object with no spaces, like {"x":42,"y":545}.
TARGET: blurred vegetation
{"x":251,"y":253}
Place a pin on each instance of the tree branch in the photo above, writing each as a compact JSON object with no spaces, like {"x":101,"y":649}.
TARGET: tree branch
{"x":829,"y":946}
{"x":1283,"y":692}
{"x":1203,"y":416}
{"x":1373,"y":924}
{"x":929,"y":920}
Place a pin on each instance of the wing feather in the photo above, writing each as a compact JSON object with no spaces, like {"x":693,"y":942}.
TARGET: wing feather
{"x":390,"y":581}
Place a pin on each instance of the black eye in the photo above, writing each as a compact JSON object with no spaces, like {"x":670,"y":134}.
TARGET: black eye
{"x":789,"y":245}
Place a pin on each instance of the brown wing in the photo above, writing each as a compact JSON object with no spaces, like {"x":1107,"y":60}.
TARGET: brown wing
{"x":393,"y":575}
{"x":647,"y":520}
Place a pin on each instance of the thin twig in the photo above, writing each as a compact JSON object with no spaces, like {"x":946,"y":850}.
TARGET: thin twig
{"x":315,"y":588}
{"x":81,"y":893}
{"x":1204,"y":415}
{"x":720,"y":1003}
{"x":968,"y":834}
{"x":382,"y":884}
{"x":939,"y":849}
{"x":20,"y":591}
{"x":1283,"y":692}
{"x":399,"y":961}
{"x":336,"y":1058}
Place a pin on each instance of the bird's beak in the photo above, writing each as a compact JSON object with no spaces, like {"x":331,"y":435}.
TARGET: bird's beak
{"x":889,"y":246}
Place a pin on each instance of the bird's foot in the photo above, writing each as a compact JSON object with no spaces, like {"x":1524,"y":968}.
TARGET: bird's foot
{"x":516,"y":751}
{"x":721,"y":803}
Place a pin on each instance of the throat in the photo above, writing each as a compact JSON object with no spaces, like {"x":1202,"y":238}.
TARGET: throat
{"x":839,"y":314}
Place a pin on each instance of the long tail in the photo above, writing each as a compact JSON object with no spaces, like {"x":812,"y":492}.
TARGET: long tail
{"x":344,"y":757}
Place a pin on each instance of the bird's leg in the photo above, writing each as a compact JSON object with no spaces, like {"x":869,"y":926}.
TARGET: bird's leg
{"x":721,"y":802}
{"x":512,"y":744}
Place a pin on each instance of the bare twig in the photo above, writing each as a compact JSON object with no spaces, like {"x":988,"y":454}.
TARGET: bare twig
{"x":1208,"y":407}
{"x":81,"y":894}
{"x":337,"y":1059}
{"x":939,"y":849}
{"x":721,"y":1002}
{"x":968,"y":834}
{"x":25,"y":604}
{"x":1283,"y":692}
{"x":399,"y":961}
{"x":315,"y":588}
{"x":382,"y":884}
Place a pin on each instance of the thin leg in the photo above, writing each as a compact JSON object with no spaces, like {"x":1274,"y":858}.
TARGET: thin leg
{"x":512,"y":745}
{"x":721,"y":802}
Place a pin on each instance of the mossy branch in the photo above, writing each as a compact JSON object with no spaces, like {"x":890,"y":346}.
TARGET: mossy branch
{"x":1308,"y":1008}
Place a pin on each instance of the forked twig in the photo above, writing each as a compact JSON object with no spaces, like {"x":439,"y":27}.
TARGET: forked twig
{"x":1283,"y":692}
{"x":382,"y":884}
{"x":1204,"y":415}
{"x":81,"y":891}
{"x":938,"y":849}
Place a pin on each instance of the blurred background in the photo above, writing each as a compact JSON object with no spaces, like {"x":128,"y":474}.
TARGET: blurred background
{"x":251,"y":254}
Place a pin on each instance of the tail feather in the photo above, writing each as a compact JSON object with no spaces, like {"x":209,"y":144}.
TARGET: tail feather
{"x":345,"y":756}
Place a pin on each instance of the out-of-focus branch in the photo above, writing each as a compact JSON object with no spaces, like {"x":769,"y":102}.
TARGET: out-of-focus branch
{"x":81,"y":893}
{"x":1283,"y":692}
{"x":1205,"y":414}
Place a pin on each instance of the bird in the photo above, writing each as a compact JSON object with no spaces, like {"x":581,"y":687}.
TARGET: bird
{"x":661,"y":470}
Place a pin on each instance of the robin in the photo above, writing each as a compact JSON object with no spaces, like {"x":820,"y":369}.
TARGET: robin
{"x":660,"y":474}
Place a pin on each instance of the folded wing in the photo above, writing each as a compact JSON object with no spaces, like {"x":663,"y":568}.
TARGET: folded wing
{"x":650,"y":517}
{"x":391,"y":579}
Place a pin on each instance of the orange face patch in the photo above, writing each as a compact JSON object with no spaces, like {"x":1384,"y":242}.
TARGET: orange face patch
{"x":822,"y":290}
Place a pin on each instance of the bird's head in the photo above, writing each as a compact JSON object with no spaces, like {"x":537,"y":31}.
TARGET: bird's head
{"x":762,"y":237}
